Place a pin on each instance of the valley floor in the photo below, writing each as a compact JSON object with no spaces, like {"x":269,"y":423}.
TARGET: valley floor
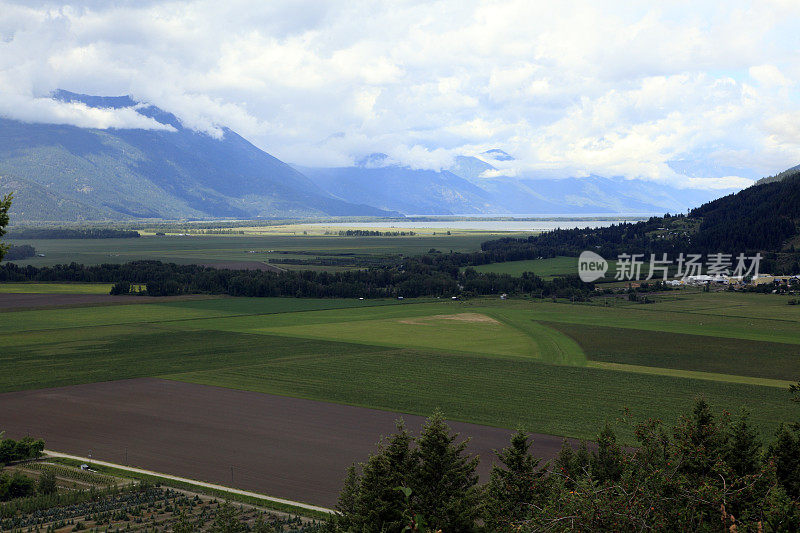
{"x":556,"y":369}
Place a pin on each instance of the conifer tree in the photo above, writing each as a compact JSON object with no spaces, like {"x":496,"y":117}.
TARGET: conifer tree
{"x":444,"y":482}
{"x":5,"y":205}
{"x":607,"y":462}
{"x":371,"y":501}
{"x":743,"y":448}
{"x":515,"y":486}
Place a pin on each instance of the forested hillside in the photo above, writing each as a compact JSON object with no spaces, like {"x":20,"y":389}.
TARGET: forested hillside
{"x":763,"y":218}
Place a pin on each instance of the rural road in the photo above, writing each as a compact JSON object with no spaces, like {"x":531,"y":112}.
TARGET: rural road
{"x":292,"y":448}
{"x":51,"y":453}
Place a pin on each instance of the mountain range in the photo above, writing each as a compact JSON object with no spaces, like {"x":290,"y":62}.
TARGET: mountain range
{"x":67,"y":173}
{"x":63,"y":172}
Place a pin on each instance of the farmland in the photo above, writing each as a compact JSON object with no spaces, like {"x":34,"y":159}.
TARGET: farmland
{"x":546,"y":268}
{"x":496,"y":363}
{"x":216,"y":249}
{"x":484,"y":361}
{"x":86,"y":500}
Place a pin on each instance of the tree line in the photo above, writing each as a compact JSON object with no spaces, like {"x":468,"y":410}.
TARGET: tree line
{"x":414,"y":278}
{"x":20,"y":450}
{"x":705,"y":473}
{"x":23,"y":251}
{"x":72,"y":233}
{"x":374,"y":233}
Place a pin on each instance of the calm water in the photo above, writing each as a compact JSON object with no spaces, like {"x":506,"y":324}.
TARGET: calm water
{"x":485,"y":225}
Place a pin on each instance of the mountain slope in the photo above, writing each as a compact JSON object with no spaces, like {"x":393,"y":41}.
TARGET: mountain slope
{"x":403,"y":189}
{"x":69,"y":173}
{"x":586,"y":195}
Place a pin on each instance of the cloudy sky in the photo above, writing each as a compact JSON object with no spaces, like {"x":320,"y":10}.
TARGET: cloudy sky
{"x":569,"y":87}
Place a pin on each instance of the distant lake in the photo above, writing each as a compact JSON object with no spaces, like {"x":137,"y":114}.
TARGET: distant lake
{"x":484,"y":225}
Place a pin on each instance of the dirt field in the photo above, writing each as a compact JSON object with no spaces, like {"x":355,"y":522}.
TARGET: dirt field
{"x":475,"y":318}
{"x":285,"y":447}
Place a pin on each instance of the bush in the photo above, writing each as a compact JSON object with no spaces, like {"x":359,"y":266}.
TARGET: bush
{"x":16,"y":486}
{"x":25,"y":448}
{"x":120,"y":287}
{"x":47,"y":483}
{"x":19,"y":252}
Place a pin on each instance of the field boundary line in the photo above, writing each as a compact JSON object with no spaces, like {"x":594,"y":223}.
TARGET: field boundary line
{"x":204,"y":484}
{"x":690,"y":374}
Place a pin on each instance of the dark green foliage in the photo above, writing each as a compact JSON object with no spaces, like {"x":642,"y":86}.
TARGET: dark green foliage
{"x":435,"y":481}
{"x":371,"y":501}
{"x":570,"y":465}
{"x":414,"y":278}
{"x":743,"y":451}
{"x":72,"y":233}
{"x":15,"y":486}
{"x":227,"y":520}
{"x":444,"y":479}
{"x":121,"y":287}
{"x":699,"y":440}
{"x":25,"y":448}
{"x":374,"y":233}
{"x":517,"y":488}
{"x":607,"y":462}
{"x":47,"y":483}
{"x":704,"y":474}
{"x":14,"y":253}
{"x":5,"y":205}
{"x":785,"y":451}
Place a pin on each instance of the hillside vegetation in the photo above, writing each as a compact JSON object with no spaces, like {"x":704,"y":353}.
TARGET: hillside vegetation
{"x":763,"y":218}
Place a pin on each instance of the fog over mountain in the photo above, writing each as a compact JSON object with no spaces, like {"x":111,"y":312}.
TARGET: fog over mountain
{"x":699,"y":98}
{"x":63,"y":172}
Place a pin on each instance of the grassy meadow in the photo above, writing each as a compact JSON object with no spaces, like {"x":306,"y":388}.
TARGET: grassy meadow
{"x":555,"y":368}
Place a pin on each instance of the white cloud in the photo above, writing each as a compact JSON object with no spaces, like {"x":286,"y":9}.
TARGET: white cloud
{"x":769,"y":75}
{"x":618,"y":89}
{"x":49,"y":111}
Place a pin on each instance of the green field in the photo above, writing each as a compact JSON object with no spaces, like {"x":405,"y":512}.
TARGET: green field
{"x":720,"y":355}
{"x":55,"y":288}
{"x":545,"y":268}
{"x":550,"y":267}
{"x":554,"y":367}
{"x":214,"y":249}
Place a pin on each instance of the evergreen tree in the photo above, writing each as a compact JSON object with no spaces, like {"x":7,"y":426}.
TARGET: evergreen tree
{"x":607,"y":462}
{"x":371,"y":501}
{"x":785,"y":452}
{"x":347,"y":506}
{"x":743,"y":448}
{"x":699,"y":441}
{"x":5,"y":205}
{"x":444,"y":481}
{"x":515,"y":486}
{"x":564,"y":463}
{"x":47,"y":483}
{"x":227,"y":520}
